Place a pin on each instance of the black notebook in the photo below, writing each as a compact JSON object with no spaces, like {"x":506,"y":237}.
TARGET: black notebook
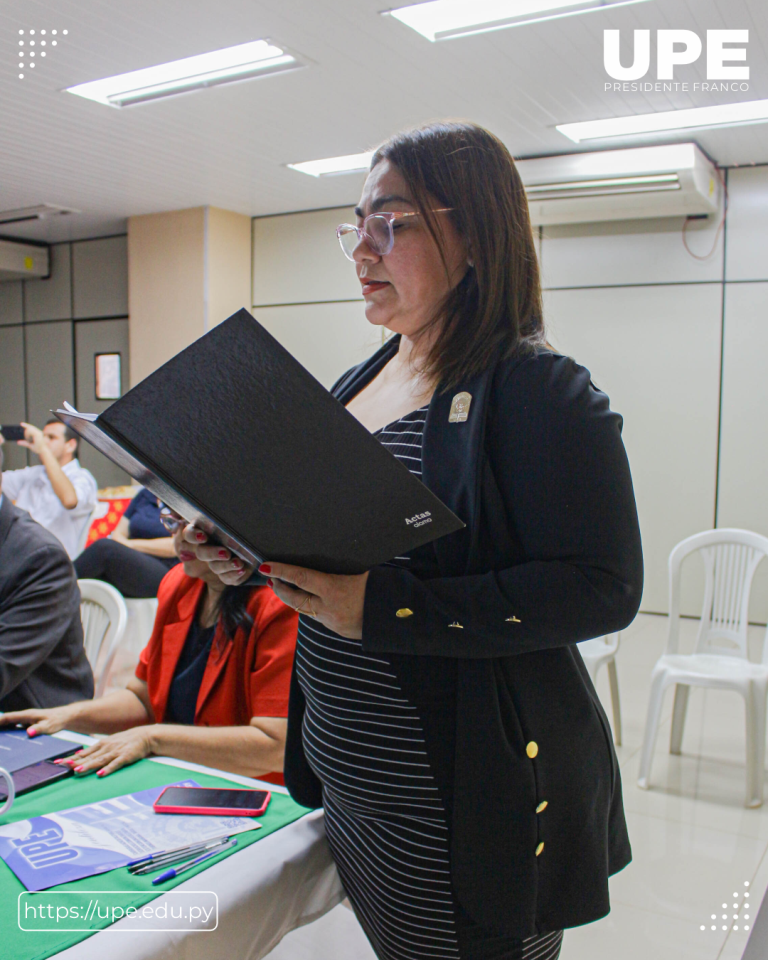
{"x":235,"y":435}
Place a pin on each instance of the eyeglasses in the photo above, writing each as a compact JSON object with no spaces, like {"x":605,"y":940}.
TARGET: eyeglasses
{"x":170,"y":520}
{"x":377,"y":231}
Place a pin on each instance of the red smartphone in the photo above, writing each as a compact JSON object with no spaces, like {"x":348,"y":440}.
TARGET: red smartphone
{"x":209,"y":800}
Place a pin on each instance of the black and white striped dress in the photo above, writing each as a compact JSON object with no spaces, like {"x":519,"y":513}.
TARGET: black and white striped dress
{"x":385,"y":812}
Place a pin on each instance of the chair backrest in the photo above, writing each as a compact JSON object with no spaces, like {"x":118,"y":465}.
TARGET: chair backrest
{"x":730,"y":559}
{"x":104,"y":616}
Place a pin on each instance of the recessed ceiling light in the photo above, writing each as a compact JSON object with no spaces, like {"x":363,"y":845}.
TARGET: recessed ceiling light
{"x":246,"y":60}
{"x":448,"y":19}
{"x":332,"y":166}
{"x":725,"y":114}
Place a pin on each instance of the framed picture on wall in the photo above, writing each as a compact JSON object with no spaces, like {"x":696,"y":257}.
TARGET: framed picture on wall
{"x":107,"y":376}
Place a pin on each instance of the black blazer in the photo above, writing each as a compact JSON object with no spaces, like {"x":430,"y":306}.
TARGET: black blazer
{"x":550,"y":556}
{"x":42,"y":658}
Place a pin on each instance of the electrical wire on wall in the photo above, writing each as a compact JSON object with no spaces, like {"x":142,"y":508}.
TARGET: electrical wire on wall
{"x":720,"y":226}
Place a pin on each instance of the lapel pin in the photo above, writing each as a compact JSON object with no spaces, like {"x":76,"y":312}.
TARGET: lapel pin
{"x":456,"y":624}
{"x":460,"y":408}
{"x":513,"y":620}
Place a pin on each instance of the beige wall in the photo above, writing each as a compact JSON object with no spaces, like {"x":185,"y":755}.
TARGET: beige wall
{"x":187,"y":271}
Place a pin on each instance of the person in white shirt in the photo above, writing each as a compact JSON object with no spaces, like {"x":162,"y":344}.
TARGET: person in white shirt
{"x":59,"y":494}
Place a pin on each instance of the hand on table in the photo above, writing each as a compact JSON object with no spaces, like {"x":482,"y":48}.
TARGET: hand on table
{"x":111,"y":753}
{"x":333,"y":599}
{"x":49,"y":720}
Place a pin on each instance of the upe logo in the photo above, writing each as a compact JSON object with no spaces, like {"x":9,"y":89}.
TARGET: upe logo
{"x":677,"y":47}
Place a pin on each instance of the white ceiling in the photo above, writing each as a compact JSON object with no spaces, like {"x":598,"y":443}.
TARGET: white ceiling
{"x":368,"y":77}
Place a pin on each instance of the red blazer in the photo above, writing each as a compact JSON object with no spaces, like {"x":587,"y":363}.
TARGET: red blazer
{"x":245,"y":678}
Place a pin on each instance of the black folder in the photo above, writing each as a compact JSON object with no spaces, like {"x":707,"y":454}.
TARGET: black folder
{"x":235,"y":435}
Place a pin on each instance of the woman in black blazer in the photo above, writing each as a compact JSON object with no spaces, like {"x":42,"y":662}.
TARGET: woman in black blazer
{"x":440,"y":710}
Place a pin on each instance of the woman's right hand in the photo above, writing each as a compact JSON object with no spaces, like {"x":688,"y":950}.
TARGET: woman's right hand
{"x":230,"y":569}
{"x":50,"y":720}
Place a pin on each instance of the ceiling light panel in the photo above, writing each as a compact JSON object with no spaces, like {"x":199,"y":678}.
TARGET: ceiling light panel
{"x":449,"y":19}
{"x":333,"y":166}
{"x":725,"y":114}
{"x":255,"y":59}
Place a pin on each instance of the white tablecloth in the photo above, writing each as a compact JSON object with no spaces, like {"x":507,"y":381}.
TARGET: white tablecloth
{"x":266,"y":890}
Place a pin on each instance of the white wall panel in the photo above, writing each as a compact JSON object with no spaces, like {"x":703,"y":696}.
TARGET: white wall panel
{"x":297,"y":259}
{"x":630,"y":251}
{"x":655,"y":351}
{"x":746,"y":246}
{"x":100,"y":277}
{"x":327,"y":338}
{"x":743,"y":491}
{"x":10,"y":302}
{"x":51,"y":299}
{"x":12,"y":402}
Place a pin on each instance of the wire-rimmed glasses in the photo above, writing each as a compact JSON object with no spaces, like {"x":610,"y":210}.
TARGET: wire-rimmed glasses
{"x":170,"y":520}
{"x":376,"y":230}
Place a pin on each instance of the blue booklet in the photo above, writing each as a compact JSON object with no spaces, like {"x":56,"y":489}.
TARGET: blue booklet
{"x":97,"y":837}
{"x":18,"y":750}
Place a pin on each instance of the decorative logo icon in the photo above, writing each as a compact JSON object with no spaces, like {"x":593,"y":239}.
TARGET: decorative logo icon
{"x":738,"y":919}
{"x":35,"y":44}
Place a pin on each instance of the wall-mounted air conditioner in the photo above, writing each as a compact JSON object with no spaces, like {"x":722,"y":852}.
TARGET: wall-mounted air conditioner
{"x":23,"y":261}
{"x":641,"y":182}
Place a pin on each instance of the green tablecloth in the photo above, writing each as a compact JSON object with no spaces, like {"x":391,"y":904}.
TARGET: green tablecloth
{"x":19,"y":944}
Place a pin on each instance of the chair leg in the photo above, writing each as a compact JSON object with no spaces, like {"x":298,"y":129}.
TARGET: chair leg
{"x":755,"y":710}
{"x":678,"y":717}
{"x":651,"y":728}
{"x":613,"y":680}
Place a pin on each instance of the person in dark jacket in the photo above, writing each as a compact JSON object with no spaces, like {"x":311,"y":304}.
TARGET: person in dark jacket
{"x":42,"y":658}
{"x":440,"y":711}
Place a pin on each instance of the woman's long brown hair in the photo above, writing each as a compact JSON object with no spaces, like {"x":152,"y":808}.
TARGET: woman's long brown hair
{"x":495,"y":311}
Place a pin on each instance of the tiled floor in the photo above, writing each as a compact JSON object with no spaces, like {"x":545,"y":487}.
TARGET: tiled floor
{"x":695,"y":845}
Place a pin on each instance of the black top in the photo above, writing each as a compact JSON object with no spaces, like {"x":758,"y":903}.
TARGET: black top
{"x":188,"y":675}
{"x":143,"y":515}
{"x":42,"y":658}
{"x":550,"y":556}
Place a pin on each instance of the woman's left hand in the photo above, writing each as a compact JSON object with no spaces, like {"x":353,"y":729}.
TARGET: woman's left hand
{"x":335,"y":600}
{"x":111,"y":753}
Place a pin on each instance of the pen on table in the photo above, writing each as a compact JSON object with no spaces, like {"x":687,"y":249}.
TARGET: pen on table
{"x":173,"y":858}
{"x":170,"y":874}
{"x":159,"y":854}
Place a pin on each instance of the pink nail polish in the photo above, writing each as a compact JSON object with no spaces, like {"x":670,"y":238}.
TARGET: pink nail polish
{"x":101,"y":773}
{"x":31,"y":732}
{"x":80,"y":768}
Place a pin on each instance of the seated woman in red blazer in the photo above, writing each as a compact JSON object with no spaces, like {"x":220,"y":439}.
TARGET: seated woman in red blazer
{"x":211,"y":686}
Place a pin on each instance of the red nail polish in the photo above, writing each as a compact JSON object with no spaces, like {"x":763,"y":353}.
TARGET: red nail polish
{"x":200,"y":537}
{"x":223,"y":554}
{"x":187,"y":556}
{"x":265,"y":568}
{"x":269,"y":583}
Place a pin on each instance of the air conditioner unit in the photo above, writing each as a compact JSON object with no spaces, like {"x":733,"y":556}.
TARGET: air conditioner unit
{"x":668,"y":181}
{"x":23,"y":261}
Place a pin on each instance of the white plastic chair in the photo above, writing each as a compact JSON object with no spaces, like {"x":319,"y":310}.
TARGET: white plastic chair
{"x":141,"y":622}
{"x":602,"y":652}
{"x":104,"y":616}
{"x":720,"y":659}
